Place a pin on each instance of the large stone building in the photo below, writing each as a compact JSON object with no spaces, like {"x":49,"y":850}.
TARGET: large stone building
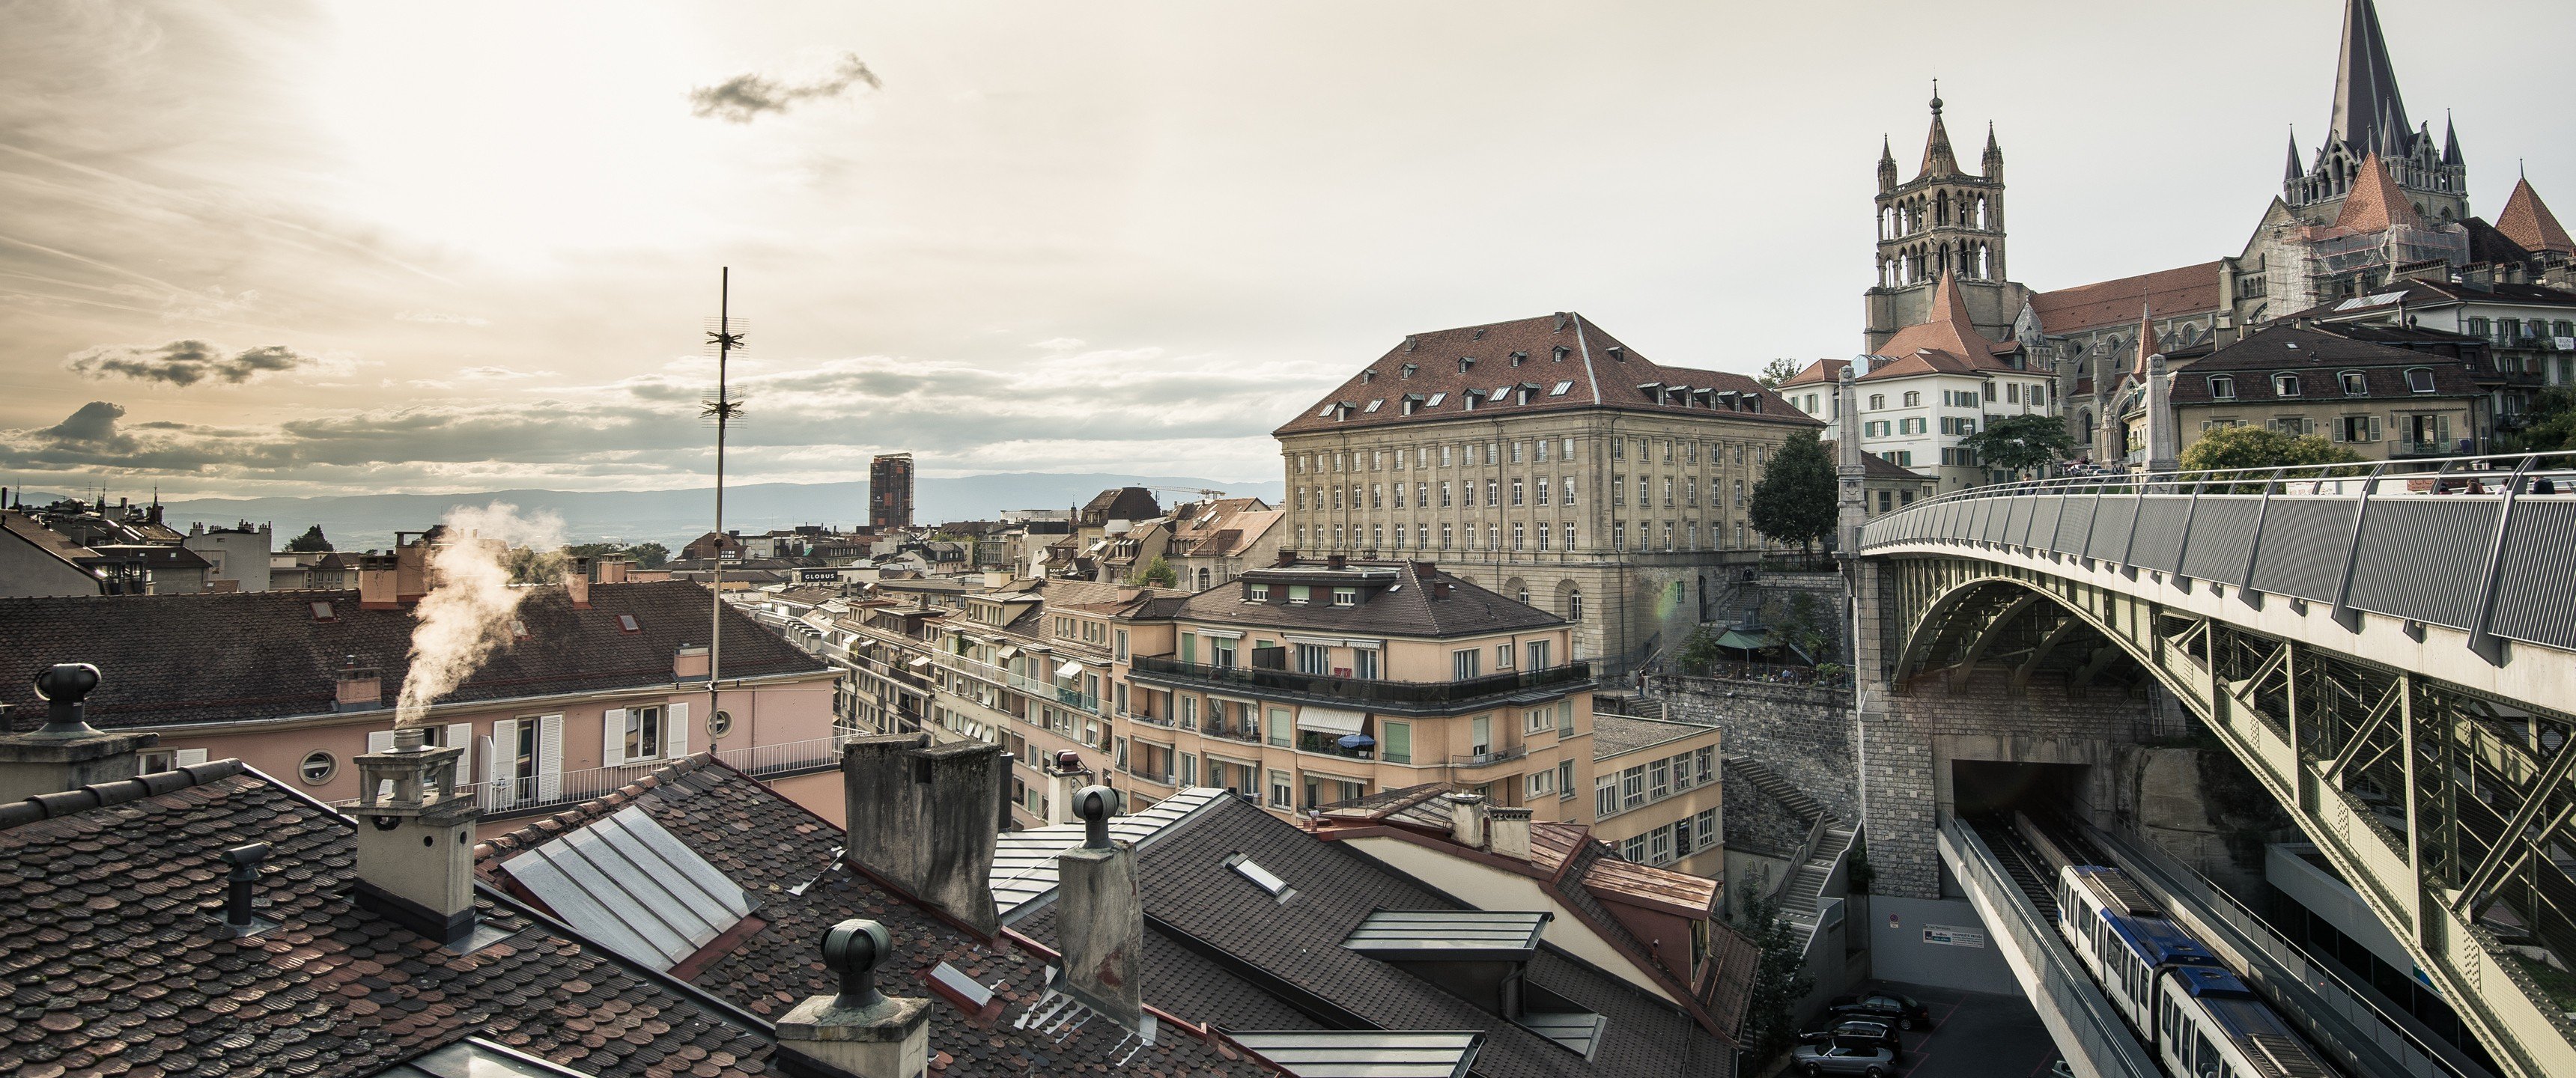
{"x":1943,"y":223}
{"x":1546,"y":460}
{"x":1929,"y":387}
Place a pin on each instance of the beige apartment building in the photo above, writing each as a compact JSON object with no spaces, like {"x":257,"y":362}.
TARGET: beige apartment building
{"x":1546,"y":461}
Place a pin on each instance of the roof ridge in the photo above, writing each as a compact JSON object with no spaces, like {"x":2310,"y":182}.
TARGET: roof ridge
{"x":102,"y":794}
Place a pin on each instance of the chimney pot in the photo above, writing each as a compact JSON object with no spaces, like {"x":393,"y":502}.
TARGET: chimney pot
{"x":1096,"y":804}
{"x":853,"y":948}
{"x":66,"y":753}
{"x":239,"y":883}
{"x":63,"y":685}
{"x":416,"y":837}
{"x":860,"y":1032}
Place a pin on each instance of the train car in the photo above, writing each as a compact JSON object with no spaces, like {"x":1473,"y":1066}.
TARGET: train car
{"x":2193,"y":1012}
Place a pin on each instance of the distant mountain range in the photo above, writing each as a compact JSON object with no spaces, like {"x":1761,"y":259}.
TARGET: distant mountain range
{"x":673,"y":517}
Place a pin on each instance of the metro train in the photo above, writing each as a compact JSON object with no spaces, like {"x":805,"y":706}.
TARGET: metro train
{"x":2193,"y":1012}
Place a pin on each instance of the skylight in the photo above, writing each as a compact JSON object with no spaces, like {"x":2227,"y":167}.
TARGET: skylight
{"x":1435,"y":400}
{"x":629,"y":884}
{"x":1373,"y":405}
{"x":1261,"y":877}
{"x":1561,"y":387}
{"x":322,"y":611}
{"x":626,"y":624}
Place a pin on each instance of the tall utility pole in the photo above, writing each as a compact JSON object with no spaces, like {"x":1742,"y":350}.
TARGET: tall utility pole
{"x":722,"y":409}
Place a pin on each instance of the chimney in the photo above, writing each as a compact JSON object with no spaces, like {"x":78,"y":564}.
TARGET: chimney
{"x":66,"y":753}
{"x":361,"y":688}
{"x":1065,"y":782}
{"x":376,"y":583}
{"x":1287,"y":558}
{"x":411,"y":568}
{"x":239,"y":885}
{"x":1101,"y":923}
{"x":1509,"y":829}
{"x":613,"y":570}
{"x":689,"y":663}
{"x":921,"y":817}
{"x":861,"y":1033}
{"x":1467,"y":818}
{"x":415,"y":837}
{"x":577,"y":583}
{"x":1337,"y":561}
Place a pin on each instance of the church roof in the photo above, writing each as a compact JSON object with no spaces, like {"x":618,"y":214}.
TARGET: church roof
{"x":2369,"y":116}
{"x":1820,"y":372}
{"x":2168,"y":293}
{"x":2375,"y":204}
{"x":2526,"y":220}
{"x":2146,"y":340}
{"x":1947,"y":343}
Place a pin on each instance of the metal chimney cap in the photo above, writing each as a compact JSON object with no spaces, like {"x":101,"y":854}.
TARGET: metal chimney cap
{"x":1095,"y":804}
{"x":246,"y":859}
{"x":853,"y":949}
{"x":63,"y":685}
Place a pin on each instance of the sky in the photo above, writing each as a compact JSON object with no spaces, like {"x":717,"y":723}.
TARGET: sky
{"x":273,"y":248}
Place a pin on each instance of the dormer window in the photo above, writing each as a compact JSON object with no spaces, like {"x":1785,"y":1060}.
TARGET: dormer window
{"x":2419,"y":379}
{"x":1561,"y":352}
{"x":2355,"y":384}
{"x":1467,"y":399}
{"x":1526,"y":392}
{"x":2285,"y":385}
{"x":1299,"y":594}
{"x":1406,"y":371}
{"x":2222,"y":387}
{"x":1465,"y":362}
{"x":1412,"y":342}
{"x":1519,"y":358}
{"x":1259,"y":593}
{"x":1618,"y":353}
{"x":1346,"y":596}
{"x":1410,"y":402}
{"x":1367,"y":376}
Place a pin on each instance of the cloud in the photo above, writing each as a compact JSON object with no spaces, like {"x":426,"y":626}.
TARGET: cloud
{"x":1058,"y":344}
{"x":500,"y":374}
{"x":441,"y":318}
{"x":94,"y":423}
{"x":743,"y":98}
{"x":187,"y":362}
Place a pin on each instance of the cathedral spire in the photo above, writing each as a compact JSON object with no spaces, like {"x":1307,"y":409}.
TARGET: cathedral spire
{"x":2146,"y":339}
{"x":1938,"y":160}
{"x":1994,"y":160}
{"x":1886,"y":164}
{"x":2294,"y":171}
{"x":2450,"y":140}
{"x":2368,"y":113}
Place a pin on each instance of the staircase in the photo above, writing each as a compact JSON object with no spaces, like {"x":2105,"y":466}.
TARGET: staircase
{"x":1807,"y":809}
{"x":1827,"y":840}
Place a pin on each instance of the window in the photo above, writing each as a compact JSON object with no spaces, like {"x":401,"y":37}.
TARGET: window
{"x":1569,"y":490}
{"x":2285,"y":385}
{"x":1300,"y":594}
{"x":1394,"y":740}
{"x":1659,"y":845}
{"x":1877,"y":401}
{"x":1634,"y":849}
{"x":1990,"y":390}
{"x":317,"y":768}
{"x":1916,"y":425}
{"x":1605,"y":796}
{"x":1659,"y":780}
{"x":2419,"y":379}
{"x":1542,"y":536}
{"x":643,"y":733}
{"x":1537,"y":720}
{"x":1618,"y":536}
{"x":1493,"y":493}
{"x":1377,"y":496}
{"x":1518,"y":533}
{"x":1913,"y":399}
{"x":1282,"y":732}
{"x":1503,"y":656}
{"x":2355,"y":384}
{"x":1314,"y":659}
{"x":2222,"y":387}
{"x":1364,"y":664}
{"x":1542,"y":487}
{"x":1516,"y":485}
{"x":2356,"y":428}
{"x":1260,"y":593}
{"x":1632,"y":787}
{"x":1541,"y":783}
{"x":1619,"y":489}
{"x":1347,"y":596}
{"x":1282,"y":794}
{"x":1706,"y":759}
{"x":1444,"y":533}
{"x":1535,"y":652}
{"x":1564,"y":780}
{"x":1444,"y":494}
{"x":626,"y":624}
{"x":1463,"y":663}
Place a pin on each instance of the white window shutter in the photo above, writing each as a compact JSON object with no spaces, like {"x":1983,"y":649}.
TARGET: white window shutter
{"x":675,"y":732}
{"x":380,"y":741}
{"x":496,"y":770}
{"x":461,"y":735}
{"x":188,"y":757}
{"x":612,"y":748}
{"x":549,"y":756}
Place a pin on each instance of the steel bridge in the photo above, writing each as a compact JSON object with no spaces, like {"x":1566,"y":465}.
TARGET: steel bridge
{"x":2390,"y":648}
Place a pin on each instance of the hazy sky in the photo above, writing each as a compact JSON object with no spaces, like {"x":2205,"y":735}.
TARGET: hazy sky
{"x":269,"y":248}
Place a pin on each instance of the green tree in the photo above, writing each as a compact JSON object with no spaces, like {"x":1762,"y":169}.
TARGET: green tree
{"x":594,"y":550}
{"x":649,"y":555}
{"x":311,"y":542}
{"x":1158,"y":574}
{"x":1794,"y":502}
{"x":2550,"y":425}
{"x":1700,"y":652}
{"x":2256,"y":447}
{"x":1780,"y":979}
{"x":1778,"y":371}
{"x":1800,"y":621}
{"x":2023,"y":443}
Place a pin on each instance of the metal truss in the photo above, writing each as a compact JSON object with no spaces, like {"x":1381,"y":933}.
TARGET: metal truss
{"x":2448,"y":810}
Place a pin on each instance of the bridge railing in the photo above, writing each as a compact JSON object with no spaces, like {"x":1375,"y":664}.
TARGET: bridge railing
{"x":2482,"y":544}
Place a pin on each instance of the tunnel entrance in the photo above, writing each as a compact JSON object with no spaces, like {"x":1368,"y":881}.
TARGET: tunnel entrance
{"x":1983,"y":787}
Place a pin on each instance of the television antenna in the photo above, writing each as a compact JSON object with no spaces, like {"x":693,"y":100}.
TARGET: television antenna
{"x":724,"y":337}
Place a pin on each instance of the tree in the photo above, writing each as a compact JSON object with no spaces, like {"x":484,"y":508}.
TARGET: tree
{"x":1158,"y":574}
{"x":311,"y":542}
{"x":2023,"y":443}
{"x":649,"y":555}
{"x":1801,"y":622}
{"x":1778,"y":371}
{"x":1794,"y":502}
{"x":1701,"y":652}
{"x":1779,"y":979}
{"x":2550,"y":425}
{"x":2255,"y":447}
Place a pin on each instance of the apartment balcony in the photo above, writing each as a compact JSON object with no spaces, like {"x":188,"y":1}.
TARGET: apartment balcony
{"x":1330,"y":745}
{"x":1489,"y":758}
{"x":1385,"y":697}
{"x":1164,"y":721}
{"x":1246,"y":734}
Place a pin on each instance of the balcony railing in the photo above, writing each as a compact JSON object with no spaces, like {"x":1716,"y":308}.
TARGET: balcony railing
{"x":1035,"y":686}
{"x":1490,"y":757}
{"x":1397,"y":696}
{"x":535,"y":794}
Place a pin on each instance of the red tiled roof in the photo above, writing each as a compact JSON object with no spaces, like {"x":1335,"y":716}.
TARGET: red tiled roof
{"x":2376,"y":204}
{"x":1595,"y":369}
{"x":1820,"y":372}
{"x":2167,"y":293}
{"x":2526,"y":220}
{"x":1947,"y":343}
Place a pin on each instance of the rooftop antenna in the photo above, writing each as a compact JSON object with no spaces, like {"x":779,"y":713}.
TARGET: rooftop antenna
{"x":723,"y":338}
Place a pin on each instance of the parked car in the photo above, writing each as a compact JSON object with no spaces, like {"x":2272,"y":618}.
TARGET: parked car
{"x":1840,"y":1058}
{"x":1858,"y":1031}
{"x":1903,"y":1012}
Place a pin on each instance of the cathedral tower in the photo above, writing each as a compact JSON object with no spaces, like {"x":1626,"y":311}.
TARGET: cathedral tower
{"x":1944,"y":220}
{"x":2370,"y":118}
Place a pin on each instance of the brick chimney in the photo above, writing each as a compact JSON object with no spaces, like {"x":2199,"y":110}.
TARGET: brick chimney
{"x":577,"y":583}
{"x":1100,"y":923}
{"x":66,"y":753}
{"x":377,"y":588}
{"x":861,"y":1032}
{"x":1287,"y":558}
{"x":361,"y":688}
{"x":921,"y":816}
{"x":1467,"y":819}
{"x":1337,"y":561}
{"x":415,"y":837}
{"x":613,"y":570}
{"x":1508,"y":830}
{"x":690,"y":663}
{"x":411,"y":567}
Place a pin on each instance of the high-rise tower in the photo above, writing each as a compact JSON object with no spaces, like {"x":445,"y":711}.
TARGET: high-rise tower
{"x":1944,"y":220}
{"x":890,"y":491}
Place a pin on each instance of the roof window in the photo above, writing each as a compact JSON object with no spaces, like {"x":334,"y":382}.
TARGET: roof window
{"x":1367,"y":376}
{"x":2355,"y":383}
{"x":1261,"y":877}
{"x":2419,"y":379}
{"x":1561,"y":353}
{"x":1373,"y":405}
{"x":1561,"y":387}
{"x":1435,"y":400}
{"x":626,"y":624}
{"x":322,"y":611}
{"x":2222,"y":387}
{"x":2285,"y":385}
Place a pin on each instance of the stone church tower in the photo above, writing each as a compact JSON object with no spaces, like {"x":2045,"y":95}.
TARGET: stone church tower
{"x":1943,"y":220}
{"x":2370,"y":118}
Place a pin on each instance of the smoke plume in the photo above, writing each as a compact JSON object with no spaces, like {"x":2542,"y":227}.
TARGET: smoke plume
{"x":468,"y":612}
{"x":743,"y":98}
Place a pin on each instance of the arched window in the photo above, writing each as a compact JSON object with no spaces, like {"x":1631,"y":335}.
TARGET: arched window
{"x":1203,"y":579}
{"x":2084,"y":419}
{"x":1877,"y":401}
{"x":1913,"y":399}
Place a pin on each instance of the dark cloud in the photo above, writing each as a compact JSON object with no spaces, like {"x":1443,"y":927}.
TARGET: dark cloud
{"x":93,"y":424}
{"x":743,"y":98}
{"x":187,"y":362}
